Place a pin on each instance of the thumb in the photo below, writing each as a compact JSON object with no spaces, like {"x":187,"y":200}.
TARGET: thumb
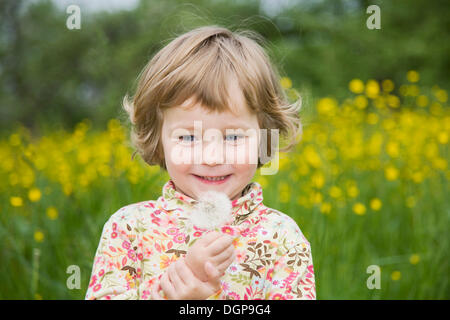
{"x":211,"y":271}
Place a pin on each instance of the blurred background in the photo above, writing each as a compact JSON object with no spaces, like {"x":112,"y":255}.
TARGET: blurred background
{"x":367,"y":183}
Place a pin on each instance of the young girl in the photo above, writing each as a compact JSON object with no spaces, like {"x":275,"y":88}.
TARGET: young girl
{"x":208,"y":80}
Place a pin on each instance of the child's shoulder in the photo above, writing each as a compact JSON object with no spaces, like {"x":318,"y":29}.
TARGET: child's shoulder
{"x":129,"y":214}
{"x":284,"y":226}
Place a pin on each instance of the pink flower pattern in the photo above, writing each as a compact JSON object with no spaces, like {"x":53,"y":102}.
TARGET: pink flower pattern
{"x":274,"y":259}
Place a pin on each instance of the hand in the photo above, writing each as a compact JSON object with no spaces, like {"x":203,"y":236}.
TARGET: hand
{"x":214,"y":247}
{"x":179,"y":283}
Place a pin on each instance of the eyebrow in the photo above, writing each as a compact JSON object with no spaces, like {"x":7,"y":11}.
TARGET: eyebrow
{"x":188,"y":126}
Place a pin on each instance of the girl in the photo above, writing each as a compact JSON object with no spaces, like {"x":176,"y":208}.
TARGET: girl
{"x":203,"y":84}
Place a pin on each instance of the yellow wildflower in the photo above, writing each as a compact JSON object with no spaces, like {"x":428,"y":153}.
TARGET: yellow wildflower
{"x":372,"y":89}
{"x":396,"y":275}
{"x":412,"y":76}
{"x":335,"y":192}
{"x":360,"y":102}
{"x":16,"y":201}
{"x":327,"y":106}
{"x":414,"y":259}
{"x":38,"y":236}
{"x":391,"y":173}
{"x":393,"y":101}
{"x":318,"y":180}
{"x":441,"y":95}
{"x":52,"y":213}
{"x":392,"y":149}
{"x":359,"y":208}
{"x":387,"y":85}
{"x":353,"y":191}
{"x":312,"y":157}
{"x":422,"y":101}
{"x":375,"y":204}
{"x":442,"y":137}
{"x":315,"y":197}
{"x":325,"y":208}
{"x":356,"y":86}
{"x":286,"y":83}
{"x":34,"y":195}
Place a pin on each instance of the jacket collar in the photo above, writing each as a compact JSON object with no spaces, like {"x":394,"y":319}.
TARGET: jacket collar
{"x":242,"y":207}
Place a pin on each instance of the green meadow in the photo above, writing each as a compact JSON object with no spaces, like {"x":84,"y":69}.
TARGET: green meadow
{"x":367,"y":184}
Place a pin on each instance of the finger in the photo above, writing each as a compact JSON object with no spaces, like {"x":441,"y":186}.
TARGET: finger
{"x":184,"y":272}
{"x":211,"y":271}
{"x":174,"y":277}
{"x":220,"y":244}
{"x":167,"y":286}
{"x":224,"y":265}
{"x":154,"y":293}
{"x":210,"y":237}
{"x":213,"y":276}
{"x":223,"y":256}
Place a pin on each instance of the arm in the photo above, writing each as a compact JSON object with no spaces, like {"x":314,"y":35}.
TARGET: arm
{"x":113,"y":273}
{"x":179,"y":283}
{"x":292,"y":276}
{"x":115,"y":269}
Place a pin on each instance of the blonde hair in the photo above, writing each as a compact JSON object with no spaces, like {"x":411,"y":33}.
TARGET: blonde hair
{"x":200,"y":64}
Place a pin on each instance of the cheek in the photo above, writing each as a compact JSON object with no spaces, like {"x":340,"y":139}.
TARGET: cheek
{"x":252,"y":146}
{"x":177,"y":171}
{"x":174,"y":161}
{"x":244,"y":171}
{"x":177,"y":155}
{"x":243,"y":154}
{"x":253,"y":151}
{"x":250,"y":149}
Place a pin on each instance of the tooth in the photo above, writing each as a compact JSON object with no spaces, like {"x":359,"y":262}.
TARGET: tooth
{"x":214,"y":178}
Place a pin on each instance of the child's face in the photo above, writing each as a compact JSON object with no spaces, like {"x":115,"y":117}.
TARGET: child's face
{"x":209,"y":150}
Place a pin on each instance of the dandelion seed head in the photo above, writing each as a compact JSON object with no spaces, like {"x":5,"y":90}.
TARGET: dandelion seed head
{"x":212,"y":210}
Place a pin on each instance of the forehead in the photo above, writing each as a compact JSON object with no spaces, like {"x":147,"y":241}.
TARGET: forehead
{"x":188,"y":112}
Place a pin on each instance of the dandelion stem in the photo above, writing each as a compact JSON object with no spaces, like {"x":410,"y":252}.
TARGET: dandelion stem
{"x":35,"y":271}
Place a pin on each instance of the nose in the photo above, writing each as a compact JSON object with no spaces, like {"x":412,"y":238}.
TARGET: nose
{"x":213,"y":153}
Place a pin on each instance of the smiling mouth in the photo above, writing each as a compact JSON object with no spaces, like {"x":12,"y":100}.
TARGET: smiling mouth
{"x":212,"y":178}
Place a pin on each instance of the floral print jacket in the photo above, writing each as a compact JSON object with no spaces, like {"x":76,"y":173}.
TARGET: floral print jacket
{"x":139,"y":241}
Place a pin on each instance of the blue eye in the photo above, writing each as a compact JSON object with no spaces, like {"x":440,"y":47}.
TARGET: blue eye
{"x":234,"y":137}
{"x":186,"y":138}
